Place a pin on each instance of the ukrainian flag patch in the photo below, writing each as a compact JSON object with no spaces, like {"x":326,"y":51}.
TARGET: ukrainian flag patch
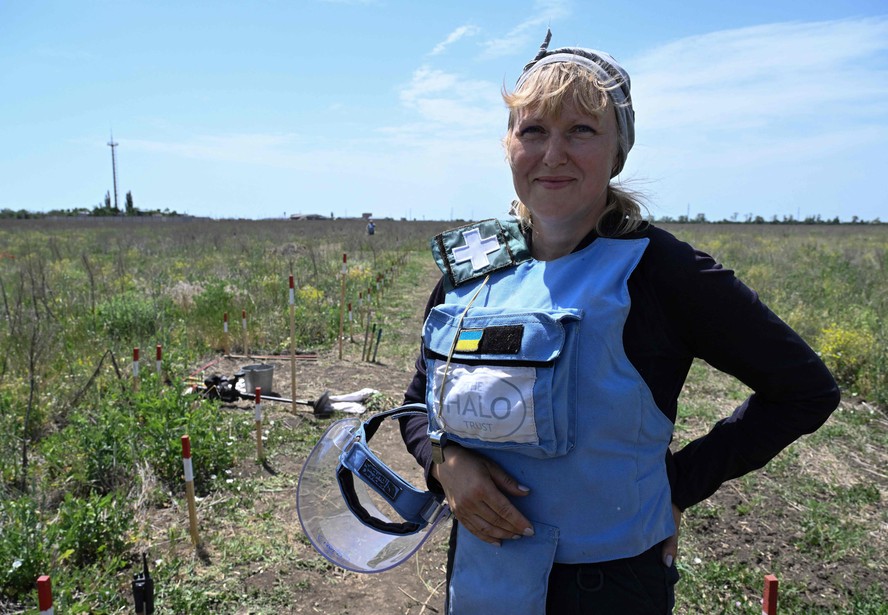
{"x":469,"y":340}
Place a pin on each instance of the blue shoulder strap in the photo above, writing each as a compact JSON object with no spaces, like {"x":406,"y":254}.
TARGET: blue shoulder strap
{"x":468,"y":252}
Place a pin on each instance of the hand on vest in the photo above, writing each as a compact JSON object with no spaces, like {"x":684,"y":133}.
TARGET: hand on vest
{"x":670,"y":545}
{"x":476,"y":490}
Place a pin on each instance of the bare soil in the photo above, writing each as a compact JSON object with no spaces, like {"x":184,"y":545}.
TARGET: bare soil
{"x":414,"y":587}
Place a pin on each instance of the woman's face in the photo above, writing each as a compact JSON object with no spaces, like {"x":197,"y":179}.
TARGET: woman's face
{"x":561,"y":165}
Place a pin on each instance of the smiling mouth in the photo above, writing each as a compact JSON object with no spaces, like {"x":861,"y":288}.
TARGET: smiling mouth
{"x":554,"y":182}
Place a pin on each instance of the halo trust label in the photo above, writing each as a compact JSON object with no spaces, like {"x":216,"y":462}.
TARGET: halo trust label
{"x":493,"y":404}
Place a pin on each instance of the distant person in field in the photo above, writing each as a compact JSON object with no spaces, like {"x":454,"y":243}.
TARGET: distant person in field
{"x":371,"y":227}
{"x":554,"y":351}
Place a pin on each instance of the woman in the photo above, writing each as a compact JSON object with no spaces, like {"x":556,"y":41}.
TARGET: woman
{"x":554,"y":351}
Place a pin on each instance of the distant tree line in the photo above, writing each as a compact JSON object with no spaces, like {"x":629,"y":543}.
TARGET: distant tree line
{"x":101,"y":210}
{"x":751,"y":219}
{"x":108,"y":209}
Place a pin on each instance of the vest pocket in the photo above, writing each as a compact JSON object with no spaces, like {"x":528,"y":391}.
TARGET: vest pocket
{"x":503,"y":379}
{"x":509,"y":579}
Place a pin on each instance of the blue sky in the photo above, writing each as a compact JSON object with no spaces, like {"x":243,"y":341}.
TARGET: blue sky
{"x":267,"y":108}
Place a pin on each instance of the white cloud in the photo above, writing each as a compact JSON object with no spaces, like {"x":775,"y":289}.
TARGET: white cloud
{"x":446,"y":98}
{"x":776,"y":94}
{"x":530,"y":31}
{"x":763,"y":76}
{"x":453,"y":37}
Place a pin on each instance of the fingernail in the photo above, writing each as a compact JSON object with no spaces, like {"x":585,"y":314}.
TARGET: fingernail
{"x":528,"y":531}
{"x":523,"y":488}
{"x":497,"y":544}
{"x":516,"y":537}
{"x":668,"y":561}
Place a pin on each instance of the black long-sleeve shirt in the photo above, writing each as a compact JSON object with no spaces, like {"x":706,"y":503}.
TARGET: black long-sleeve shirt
{"x":686,"y":305}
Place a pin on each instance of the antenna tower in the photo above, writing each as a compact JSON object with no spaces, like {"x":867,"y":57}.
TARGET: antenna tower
{"x":112,"y":145}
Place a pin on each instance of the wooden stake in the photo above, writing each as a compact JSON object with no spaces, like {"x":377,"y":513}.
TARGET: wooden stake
{"x":260,"y":455}
{"x":158,"y":362}
{"x":370,"y":345}
{"x":366,"y":335}
{"x":293,"y":344}
{"x":378,"y":337}
{"x":189,"y":489}
{"x":342,"y":302}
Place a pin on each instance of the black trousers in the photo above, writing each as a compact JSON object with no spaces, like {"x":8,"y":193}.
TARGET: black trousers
{"x":640,"y":585}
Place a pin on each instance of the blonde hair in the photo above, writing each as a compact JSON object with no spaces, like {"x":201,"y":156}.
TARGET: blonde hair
{"x":546,"y":91}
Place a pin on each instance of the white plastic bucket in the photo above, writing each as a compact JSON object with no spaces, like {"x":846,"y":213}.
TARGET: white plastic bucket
{"x":261,"y":375}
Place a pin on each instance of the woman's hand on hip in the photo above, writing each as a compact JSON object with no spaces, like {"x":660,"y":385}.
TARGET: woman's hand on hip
{"x":476,"y":490}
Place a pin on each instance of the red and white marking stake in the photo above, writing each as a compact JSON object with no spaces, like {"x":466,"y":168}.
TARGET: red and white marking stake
{"x":769,"y":601}
{"x":44,"y":595}
{"x":158,"y":361}
{"x":293,"y":345}
{"x":189,"y":489}
{"x":135,"y":369}
{"x":259,"y":453}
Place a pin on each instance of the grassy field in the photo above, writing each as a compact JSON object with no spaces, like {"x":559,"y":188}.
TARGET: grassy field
{"x":86,"y":461}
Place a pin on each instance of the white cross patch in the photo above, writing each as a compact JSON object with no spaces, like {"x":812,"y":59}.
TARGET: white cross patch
{"x":476,"y":249}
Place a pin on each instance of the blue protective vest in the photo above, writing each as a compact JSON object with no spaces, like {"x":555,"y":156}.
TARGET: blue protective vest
{"x":538,"y":380}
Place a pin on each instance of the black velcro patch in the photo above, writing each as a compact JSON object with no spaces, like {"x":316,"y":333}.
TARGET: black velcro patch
{"x":502,"y":339}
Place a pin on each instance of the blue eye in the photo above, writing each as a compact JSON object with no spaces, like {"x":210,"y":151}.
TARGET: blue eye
{"x":583,"y":128}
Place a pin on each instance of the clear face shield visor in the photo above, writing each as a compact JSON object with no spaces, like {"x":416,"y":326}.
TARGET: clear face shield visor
{"x":356,"y":511}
